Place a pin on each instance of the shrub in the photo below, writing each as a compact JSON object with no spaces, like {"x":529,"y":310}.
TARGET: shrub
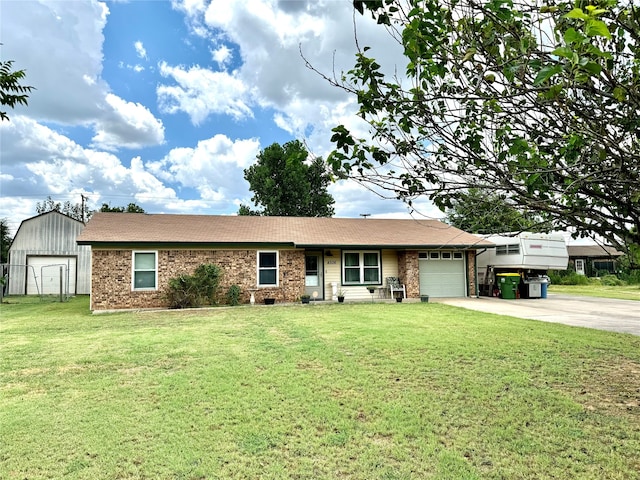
{"x":181,"y":292}
{"x":555,"y":277}
{"x":207,"y":277}
{"x":573,"y":279}
{"x":195,"y":290}
{"x":632,"y":277}
{"x":233,"y":295}
{"x":611,"y":281}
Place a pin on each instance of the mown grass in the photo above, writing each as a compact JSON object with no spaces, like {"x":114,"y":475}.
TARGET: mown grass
{"x":622,"y":292}
{"x":382,"y":391}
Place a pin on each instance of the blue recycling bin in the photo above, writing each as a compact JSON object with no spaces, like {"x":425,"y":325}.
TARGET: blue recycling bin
{"x":543,"y":288}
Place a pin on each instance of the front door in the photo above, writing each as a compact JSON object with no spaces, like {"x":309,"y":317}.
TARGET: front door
{"x":313,"y":282}
{"x":580,"y":266}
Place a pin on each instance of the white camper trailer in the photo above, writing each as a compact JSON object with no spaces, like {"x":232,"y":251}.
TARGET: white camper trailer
{"x":530,"y":255}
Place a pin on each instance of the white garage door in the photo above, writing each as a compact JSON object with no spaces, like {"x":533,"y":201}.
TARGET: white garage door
{"x":442,"y":274}
{"x":47,"y":275}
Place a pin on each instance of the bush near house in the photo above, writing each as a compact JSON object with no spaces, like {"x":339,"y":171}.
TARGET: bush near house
{"x":233,"y":295}
{"x":201,"y":288}
{"x":568,"y":277}
{"x":632,"y":277}
{"x":612,"y":281}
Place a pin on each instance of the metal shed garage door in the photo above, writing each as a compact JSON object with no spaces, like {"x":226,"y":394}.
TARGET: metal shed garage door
{"x":442,"y":274}
{"x":47,"y":271}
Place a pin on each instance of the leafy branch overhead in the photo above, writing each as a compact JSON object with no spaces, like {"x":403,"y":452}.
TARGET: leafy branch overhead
{"x":537,"y":102}
{"x":12,"y":93}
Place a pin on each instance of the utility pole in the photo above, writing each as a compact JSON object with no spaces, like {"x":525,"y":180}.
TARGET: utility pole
{"x":83,"y":203}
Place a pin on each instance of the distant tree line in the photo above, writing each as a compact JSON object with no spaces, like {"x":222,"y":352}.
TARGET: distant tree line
{"x":80,"y":211}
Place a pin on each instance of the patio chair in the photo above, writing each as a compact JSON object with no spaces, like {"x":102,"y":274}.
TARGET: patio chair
{"x":394,"y":285}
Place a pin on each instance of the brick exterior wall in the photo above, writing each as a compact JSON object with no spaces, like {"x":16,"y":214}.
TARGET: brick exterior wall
{"x":111,"y":272}
{"x":409,"y":272}
{"x":471,"y":273}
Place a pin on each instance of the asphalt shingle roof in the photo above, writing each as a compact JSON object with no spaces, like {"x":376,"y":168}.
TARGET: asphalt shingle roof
{"x":135,"y":228}
{"x":593,"y":251}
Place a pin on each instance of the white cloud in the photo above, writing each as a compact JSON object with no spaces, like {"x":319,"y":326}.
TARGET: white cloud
{"x":200,"y":92}
{"x":66,"y":71}
{"x":66,"y":66}
{"x":214,"y":167}
{"x":270,"y":35}
{"x":222,"y":55}
{"x":190,"y":7}
{"x":52,"y":164}
{"x":353,"y":199}
{"x":128,"y":124}
{"x":140,"y":50}
{"x":254,"y":45}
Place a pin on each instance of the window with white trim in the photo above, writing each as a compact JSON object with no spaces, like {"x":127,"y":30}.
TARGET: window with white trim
{"x":145,"y":271}
{"x":361,"y":268}
{"x":268,"y":269}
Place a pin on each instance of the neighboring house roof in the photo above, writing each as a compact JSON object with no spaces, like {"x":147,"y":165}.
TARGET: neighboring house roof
{"x":592,"y":251}
{"x":133,"y":228}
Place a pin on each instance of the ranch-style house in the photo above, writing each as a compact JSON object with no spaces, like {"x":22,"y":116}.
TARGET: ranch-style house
{"x":133,"y":256}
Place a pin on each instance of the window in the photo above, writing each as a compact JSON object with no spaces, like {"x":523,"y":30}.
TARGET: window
{"x":267,"y":269}
{"x":312,"y":277}
{"x":442,"y":255}
{"x":145,"y":271}
{"x":604,"y":266}
{"x":361,"y":267}
{"x":513,"y":249}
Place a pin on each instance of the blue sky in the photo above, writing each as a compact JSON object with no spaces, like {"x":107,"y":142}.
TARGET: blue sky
{"x":164,"y":104}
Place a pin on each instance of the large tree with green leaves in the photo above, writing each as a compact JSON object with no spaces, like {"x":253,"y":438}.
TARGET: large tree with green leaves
{"x":538,"y":101}
{"x":12,"y":92}
{"x":487,"y":212}
{"x":285,"y":183}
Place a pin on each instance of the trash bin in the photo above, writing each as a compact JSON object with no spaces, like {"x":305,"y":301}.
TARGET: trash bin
{"x":543,"y":287}
{"x":533,"y":287}
{"x":508,"y":283}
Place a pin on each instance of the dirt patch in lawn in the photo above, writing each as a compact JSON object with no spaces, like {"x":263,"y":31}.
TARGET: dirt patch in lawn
{"x":614,"y":387}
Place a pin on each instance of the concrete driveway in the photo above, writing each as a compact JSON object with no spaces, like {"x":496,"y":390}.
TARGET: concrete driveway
{"x":601,"y":313}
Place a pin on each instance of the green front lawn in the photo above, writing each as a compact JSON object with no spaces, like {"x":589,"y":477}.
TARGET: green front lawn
{"x":355,"y":391}
{"x":622,"y":292}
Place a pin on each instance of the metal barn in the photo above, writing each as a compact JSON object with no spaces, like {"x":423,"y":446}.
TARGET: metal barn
{"x":44,"y":257}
